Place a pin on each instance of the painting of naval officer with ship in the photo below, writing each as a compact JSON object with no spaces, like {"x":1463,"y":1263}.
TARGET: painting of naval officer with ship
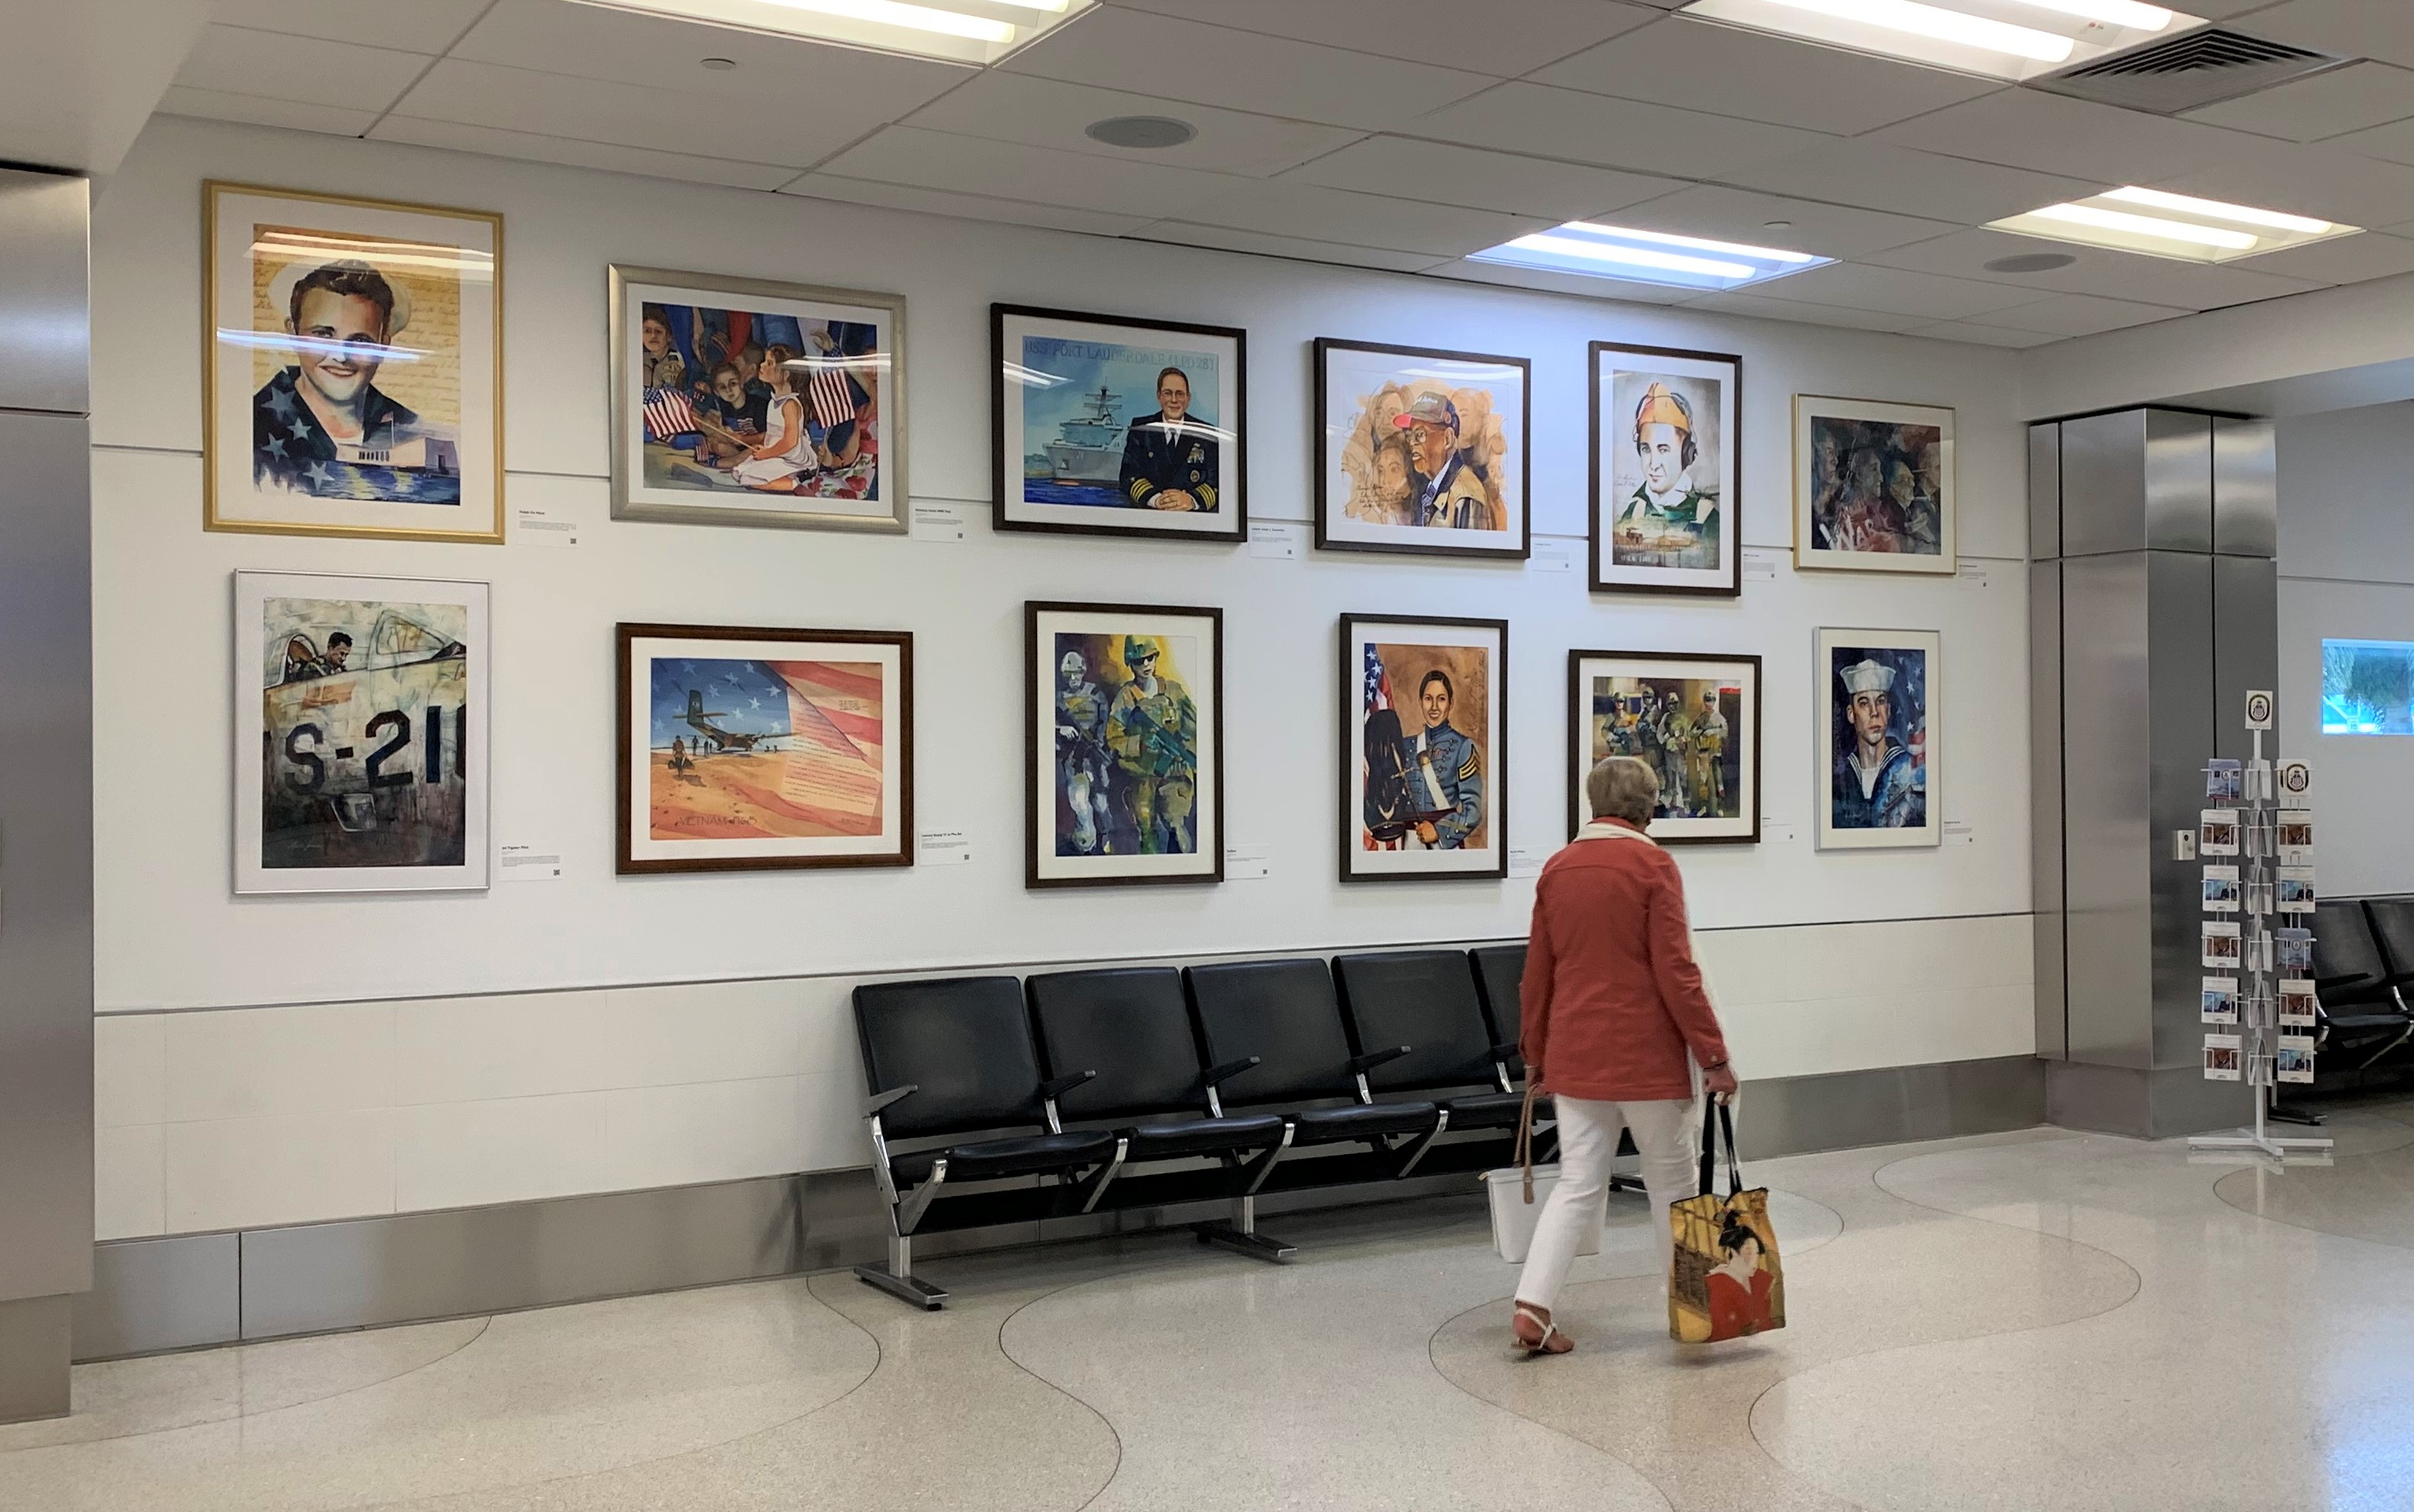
{"x":743,"y":401}
{"x":1114,"y":426}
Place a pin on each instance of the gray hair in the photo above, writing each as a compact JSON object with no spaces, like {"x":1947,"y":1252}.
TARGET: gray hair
{"x":1621,"y":787}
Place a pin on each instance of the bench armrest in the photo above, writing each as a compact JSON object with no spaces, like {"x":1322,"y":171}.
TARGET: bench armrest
{"x":1058,"y":1087}
{"x":873,"y":1105}
{"x":1214,"y":1076}
{"x":1359,"y":1065}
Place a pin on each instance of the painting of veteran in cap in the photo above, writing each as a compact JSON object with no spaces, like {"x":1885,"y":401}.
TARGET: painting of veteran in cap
{"x":1872,"y":486}
{"x":1421,"y":451}
{"x":352,"y":371}
{"x":1664,"y":470}
{"x":1879,"y":709}
{"x":1124,"y":757}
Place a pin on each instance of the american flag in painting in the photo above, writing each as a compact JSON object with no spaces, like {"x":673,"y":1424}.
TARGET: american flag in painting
{"x":833,"y":402}
{"x":1379,"y":685}
{"x":668,"y":414}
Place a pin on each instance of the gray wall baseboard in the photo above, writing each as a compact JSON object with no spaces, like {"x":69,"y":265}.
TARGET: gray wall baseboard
{"x":187,"y":1291}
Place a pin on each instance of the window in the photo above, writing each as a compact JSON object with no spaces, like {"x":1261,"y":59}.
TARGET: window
{"x":2367,"y":687}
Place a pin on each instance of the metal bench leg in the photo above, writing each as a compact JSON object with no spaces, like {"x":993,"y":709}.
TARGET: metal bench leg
{"x":898,"y":1279}
{"x":1241,"y":1234}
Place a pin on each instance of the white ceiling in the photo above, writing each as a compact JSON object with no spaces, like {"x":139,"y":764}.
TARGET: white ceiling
{"x":1403,"y":135}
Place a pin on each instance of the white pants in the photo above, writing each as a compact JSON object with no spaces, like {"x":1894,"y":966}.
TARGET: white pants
{"x":1663,"y":1136}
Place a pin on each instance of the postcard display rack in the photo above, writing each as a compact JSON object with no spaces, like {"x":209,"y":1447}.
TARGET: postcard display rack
{"x":2256,"y":840}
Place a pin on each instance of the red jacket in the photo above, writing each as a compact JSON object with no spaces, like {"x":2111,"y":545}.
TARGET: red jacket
{"x":1612,"y":998}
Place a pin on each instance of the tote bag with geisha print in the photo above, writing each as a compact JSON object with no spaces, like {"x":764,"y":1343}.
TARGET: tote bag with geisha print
{"x":1725,"y":1279}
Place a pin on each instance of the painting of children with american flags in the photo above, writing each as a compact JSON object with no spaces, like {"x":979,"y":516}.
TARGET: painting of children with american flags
{"x":756,"y":403}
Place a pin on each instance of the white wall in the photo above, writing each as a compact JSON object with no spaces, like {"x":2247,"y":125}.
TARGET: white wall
{"x":759,"y":1076}
{"x":2346,"y":571}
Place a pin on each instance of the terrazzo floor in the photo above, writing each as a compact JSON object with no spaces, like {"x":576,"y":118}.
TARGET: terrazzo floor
{"x":2039,"y":1320}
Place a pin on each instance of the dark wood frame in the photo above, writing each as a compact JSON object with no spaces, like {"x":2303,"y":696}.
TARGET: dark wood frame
{"x":627,"y":634}
{"x":1523,"y":549}
{"x":1730,"y":480}
{"x":1577,"y":723}
{"x":1034,"y":672}
{"x":1237,"y":518}
{"x":1497,"y":796}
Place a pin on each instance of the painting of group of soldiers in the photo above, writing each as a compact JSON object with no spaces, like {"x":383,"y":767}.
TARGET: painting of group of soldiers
{"x":1126,"y":747}
{"x":1684,"y":729}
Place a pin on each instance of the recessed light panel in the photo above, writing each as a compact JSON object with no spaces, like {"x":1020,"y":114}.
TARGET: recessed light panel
{"x":1598,"y":251}
{"x":2013,"y":39}
{"x":2163,"y":225}
{"x":962,"y":30}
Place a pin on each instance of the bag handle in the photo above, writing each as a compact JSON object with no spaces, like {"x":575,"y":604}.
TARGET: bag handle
{"x":1717,"y":1120}
{"x":1525,"y":1153}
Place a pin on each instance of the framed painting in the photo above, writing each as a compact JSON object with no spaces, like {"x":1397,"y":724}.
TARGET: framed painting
{"x":750,"y":749}
{"x":1872,"y":486}
{"x":741,"y":401}
{"x":1667,"y":483}
{"x":1692,"y":716}
{"x":1124,"y":768}
{"x":1419,"y":450}
{"x":1424,"y":770}
{"x":1881,"y":723}
{"x":360,"y":721}
{"x":1103,"y":425}
{"x":351,"y":367}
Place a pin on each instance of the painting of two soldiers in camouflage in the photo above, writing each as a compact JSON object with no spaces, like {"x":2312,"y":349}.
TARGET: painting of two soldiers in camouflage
{"x":1127,"y":744}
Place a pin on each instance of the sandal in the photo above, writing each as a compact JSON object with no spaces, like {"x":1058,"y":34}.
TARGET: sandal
{"x":1550,"y":1336}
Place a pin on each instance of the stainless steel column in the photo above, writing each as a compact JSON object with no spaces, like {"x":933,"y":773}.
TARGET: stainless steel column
{"x":2152,"y":532}
{"x":44,"y":783}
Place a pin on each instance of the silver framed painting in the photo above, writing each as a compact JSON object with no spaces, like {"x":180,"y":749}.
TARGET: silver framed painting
{"x":744,"y":401}
{"x":1872,"y":486}
{"x":360,"y":729}
{"x":1881,"y":731}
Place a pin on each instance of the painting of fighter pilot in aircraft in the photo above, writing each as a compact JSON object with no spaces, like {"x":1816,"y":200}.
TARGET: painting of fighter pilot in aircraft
{"x":360,"y":763}
{"x":745,"y":749}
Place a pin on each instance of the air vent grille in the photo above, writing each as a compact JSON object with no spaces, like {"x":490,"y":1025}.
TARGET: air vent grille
{"x":2204,"y":67}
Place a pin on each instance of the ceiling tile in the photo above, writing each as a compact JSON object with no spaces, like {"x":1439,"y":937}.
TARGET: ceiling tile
{"x":1114,"y":48}
{"x":2130,"y":275}
{"x":1511,"y":36}
{"x":776,"y":78}
{"x":306,"y":70}
{"x":2077,"y":138}
{"x":2080,"y":314}
{"x":1740,"y":303}
{"x":1284,"y":208}
{"x":1973,"y":333}
{"x":1897,"y":179}
{"x":963,"y":206}
{"x":613,"y":158}
{"x":1036,"y":175}
{"x":2393,"y":143}
{"x":1744,"y":215}
{"x":252,"y":109}
{"x":1761,"y":77}
{"x":1861,"y":286}
{"x":2346,"y":260}
{"x":2307,"y":110}
{"x":2319,"y":179}
{"x":628,"y":115}
{"x":1050,"y":113}
{"x":2351,"y":28}
{"x":427,"y":26}
{"x":1482,"y":179}
{"x":1613,"y":133}
{"x":1612,"y":290}
{"x":1182,"y":234}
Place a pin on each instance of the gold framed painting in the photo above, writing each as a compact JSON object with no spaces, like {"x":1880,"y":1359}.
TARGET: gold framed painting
{"x":353,"y":363}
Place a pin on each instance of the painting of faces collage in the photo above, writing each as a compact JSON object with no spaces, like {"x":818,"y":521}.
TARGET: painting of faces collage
{"x":354,"y":388}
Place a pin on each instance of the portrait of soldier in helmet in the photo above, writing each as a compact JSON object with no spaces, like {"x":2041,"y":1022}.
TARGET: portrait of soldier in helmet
{"x":1664,"y":470}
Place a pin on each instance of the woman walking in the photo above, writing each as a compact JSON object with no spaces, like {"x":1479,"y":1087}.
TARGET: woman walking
{"x":1611,"y":1004}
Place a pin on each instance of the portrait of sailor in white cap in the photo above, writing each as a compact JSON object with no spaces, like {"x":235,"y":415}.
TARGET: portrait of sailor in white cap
{"x":1877,"y":784}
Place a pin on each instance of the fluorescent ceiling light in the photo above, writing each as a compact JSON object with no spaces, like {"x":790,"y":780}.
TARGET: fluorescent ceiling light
{"x":1599,"y":251}
{"x":978,"y":31}
{"x":2013,"y":39}
{"x":2244,"y":214}
{"x":2189,"y":228}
